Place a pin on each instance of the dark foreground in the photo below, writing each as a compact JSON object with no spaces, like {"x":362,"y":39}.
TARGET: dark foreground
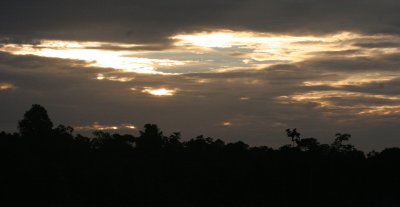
{"x":50,"y":166}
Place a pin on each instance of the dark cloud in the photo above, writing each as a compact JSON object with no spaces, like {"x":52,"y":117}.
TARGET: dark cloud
{"x":380,"y":62}
{"x":150,"y":21}
{"x":155,"y":47}
{"x":380,"y":44}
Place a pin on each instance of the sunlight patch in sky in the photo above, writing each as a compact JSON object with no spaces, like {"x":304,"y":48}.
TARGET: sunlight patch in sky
{"x":93,"y":54}
{"x":357,"y":103}
{"x":353,"y":80}
{"x":6,"y":86}
{"x":103,"y":127}
{"x":218,"y":51}
{"x":101,"y":76}
{"x":259,"y":50}
{"x":226,"y":123}
{"x":159,"y":91}
{"x":262,"y":46}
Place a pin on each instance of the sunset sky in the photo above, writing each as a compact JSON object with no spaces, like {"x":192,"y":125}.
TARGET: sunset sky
{"x":231,"y":69}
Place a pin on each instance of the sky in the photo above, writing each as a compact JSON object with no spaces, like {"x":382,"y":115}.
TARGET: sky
{"x":236,"y":70}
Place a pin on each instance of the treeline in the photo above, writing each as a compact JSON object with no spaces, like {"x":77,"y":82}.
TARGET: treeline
{"x":50,"y":166}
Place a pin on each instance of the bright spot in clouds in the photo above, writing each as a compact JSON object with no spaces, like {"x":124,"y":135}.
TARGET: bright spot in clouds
{"x":274,"y":48}
{"x":100,"y":77}
{"x":218,"y":51}
{"x":357,"y":103}
{"x":93,"y":54}
{"x":355,"y":79}
{"x":104,"y":127}
{"x":130,"y":126}
{"x":113,"y":78}
{"x":6,"y":86}
{"x":159,"y":91}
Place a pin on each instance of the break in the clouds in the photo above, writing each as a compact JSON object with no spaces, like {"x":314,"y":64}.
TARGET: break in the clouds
{"x":230,"y":69}
{"x":217,"y":51}
{"x":99,"y":127}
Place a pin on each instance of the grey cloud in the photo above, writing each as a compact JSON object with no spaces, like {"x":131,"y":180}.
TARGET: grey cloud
{"x":150,"y":21}
{"x":147,"y":47}
{"x":390,"y":87}
{"x":355,"y":64}
{"x":73,"y":96}
{"x":379,"y":44}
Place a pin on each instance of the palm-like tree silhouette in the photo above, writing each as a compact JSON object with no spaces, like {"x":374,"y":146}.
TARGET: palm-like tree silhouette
{"x":294,"y":135}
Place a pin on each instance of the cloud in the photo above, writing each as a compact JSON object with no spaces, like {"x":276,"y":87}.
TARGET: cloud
{"x":321,"y":66}
{"x":223,"y":51}
{"x":122,"y":60}
{"x":149,"y":21}
{"x":74,"y":96}
{"x":381,"y":44}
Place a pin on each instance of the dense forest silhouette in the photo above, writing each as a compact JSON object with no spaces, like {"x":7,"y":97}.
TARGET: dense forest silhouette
{"x":50,"y":166}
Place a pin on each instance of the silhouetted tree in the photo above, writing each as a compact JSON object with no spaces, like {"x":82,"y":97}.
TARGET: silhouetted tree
{"x":150,"y":139}
{"x":35,"y":123}
{"x":237,"y":147}
{"x":173,"y":143}
{"x":62,"y":130}
{"x":338,"y":143}
{"x":308,"y":144}
{"x":294,"y":135}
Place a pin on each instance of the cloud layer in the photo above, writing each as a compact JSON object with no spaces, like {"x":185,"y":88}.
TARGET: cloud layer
{"x":150,"y":21}
{"x":230,"y":69}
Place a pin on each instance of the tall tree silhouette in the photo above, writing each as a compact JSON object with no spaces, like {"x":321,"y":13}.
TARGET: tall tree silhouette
{"x":35,"y":123}
{"x":308,"y":144}
{"x":150,"y":139}
{"x":338,"y":143}
{"x":294,"y":135}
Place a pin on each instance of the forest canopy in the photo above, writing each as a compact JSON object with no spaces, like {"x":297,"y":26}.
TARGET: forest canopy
{"x":50,"y":165}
